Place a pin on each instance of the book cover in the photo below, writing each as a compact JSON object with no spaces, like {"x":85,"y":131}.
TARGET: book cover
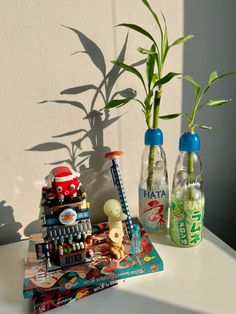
{"x":102,"y":269}
{"x":45,"y":302}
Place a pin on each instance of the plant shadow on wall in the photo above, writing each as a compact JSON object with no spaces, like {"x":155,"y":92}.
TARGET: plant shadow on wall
{"x":96,"y":176}
{"x":8,"y":226}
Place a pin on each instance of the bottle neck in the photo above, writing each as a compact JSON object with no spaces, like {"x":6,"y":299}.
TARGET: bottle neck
{"x":190,"y":161}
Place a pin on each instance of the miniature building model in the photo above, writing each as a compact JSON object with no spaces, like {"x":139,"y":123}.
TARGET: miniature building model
{"x":66,"y":221}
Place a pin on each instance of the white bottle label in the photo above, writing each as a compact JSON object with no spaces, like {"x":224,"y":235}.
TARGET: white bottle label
{"x":153,"y":209}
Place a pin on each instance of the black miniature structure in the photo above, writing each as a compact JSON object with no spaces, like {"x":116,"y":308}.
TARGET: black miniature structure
{"x":66,"y":222}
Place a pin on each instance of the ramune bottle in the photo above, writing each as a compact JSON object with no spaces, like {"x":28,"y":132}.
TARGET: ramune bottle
{"x":153,"y":188}
{"x":187,"y":198}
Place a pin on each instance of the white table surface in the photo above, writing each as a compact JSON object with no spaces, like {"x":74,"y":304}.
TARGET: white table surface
{"x":194,"y":280}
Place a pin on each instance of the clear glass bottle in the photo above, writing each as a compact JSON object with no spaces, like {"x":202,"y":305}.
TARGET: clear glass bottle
{"x":136,"y":241}
{"x":153,"y":187}
{"x":187,"y":197}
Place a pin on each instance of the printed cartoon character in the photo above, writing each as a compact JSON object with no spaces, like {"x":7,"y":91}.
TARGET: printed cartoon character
{"x":82,"y":293}
{"x":62,"y":182}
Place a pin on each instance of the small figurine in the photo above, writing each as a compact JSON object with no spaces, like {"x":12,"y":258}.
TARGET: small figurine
{"x":113,"y":210}
{"x":116,"y":176}
{"x":116,"y":246}
{"x":62,"y":185}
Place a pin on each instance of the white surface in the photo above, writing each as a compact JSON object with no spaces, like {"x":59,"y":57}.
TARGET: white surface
{"x":195,"y":280}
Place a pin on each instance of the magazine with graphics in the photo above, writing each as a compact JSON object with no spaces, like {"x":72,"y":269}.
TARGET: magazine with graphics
{"x":104,"y":268}
{"x":45,"y":302}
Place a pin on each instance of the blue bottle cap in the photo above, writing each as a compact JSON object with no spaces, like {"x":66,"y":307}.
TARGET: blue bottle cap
{"x":153,"y":137}
{"x":136,"y":227}
{"x":189,"y":142}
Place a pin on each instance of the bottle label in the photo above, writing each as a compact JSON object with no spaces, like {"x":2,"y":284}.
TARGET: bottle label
{"x":186,"y":221}
{"x":153,"y":209}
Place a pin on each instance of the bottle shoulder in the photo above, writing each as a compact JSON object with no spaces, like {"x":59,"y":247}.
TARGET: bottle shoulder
{"x":188,"y":179}
{"x":157,"y":152}
{"x":153,"y":167}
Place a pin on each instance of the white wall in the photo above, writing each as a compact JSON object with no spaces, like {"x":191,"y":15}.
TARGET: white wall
{"x":37,"y":64}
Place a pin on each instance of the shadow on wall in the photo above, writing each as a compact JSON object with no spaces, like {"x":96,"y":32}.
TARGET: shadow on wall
{"x":214,"y":49}
{"x":96,"y":176}
{"x":8,"y":226}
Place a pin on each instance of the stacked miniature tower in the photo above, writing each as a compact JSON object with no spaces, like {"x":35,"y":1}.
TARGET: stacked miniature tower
{"x":66,"y":221}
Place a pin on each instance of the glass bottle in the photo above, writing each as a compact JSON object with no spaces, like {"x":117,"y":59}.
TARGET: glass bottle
{"x":187,"y":197}
{"x":153,"y":187}
{"x":136,"y":241}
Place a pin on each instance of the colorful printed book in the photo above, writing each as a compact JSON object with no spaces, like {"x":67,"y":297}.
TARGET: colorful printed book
{"x":50,"y":301}
{"x":104,"y":268}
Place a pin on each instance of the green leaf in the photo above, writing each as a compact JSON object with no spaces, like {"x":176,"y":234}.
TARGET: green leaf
{"x":223,"y":75}
{"x":215,"y":103}
{"x":166,"y":79}
{"x":165,"y":46}
{"x":154,"y":78}
{"x":170,"y":116}
{"x":196,"y":86}
{"x":187,"y":116}
{"x":213,"y":76}
{"x":130,"y":69}
{"x":147,"y":101}
{"x":205,"y":127}
{"x":146,"y":51}
{"x":181,"y":40}
{"x":117,"y":103}
{"x":150,"y":64}
{"x":155,"y":17}
{"x":139,"y":30}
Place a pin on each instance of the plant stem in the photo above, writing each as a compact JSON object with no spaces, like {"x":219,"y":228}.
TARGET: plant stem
{"x":157,"y":99}
{"x":151,"y":158}
{"x":190,"y":171}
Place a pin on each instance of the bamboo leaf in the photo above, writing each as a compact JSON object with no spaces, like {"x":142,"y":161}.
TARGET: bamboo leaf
{"x":150,"y":64}
{"x":138,"y":29}
{"x":146,"y":51}
{"x":130,"y":69}
{"x":205,"y":127}
{"x":181,"y":40}
{"x":117,"y":103}
{"x":140,"y":102}
{"x":147,"y":101}
{"x":187,"y":116}
{"x":196,"y":86}
{"x":215,"y":103}
{"x":166,"y":79}
{"x":145,"y":2}
{"x":170,"y":116}
{"x":154,"y":78}
{"x":214,"y":79}
{"x":223,"y":75}
{"x":213,"y":76}
{"x":165,"y":46}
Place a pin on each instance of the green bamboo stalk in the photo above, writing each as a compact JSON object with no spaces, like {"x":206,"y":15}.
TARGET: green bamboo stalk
{"x":190,"y":169}
{"x":151,"y":157}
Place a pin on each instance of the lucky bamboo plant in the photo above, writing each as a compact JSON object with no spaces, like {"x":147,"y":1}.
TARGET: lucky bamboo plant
{"x":153,"y":84}
{"x":199,"y":104}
